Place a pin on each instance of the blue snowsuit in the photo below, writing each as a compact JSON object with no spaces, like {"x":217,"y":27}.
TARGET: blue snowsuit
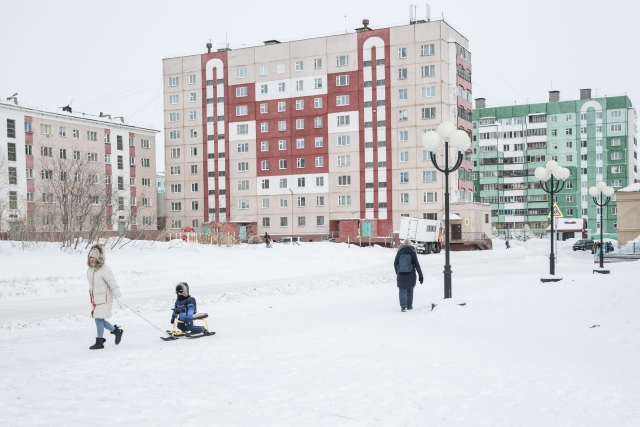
{"x":184,"y":309}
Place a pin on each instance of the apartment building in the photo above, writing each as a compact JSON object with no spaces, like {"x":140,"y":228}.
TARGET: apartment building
{"x":596,"y":138}
{"x":294,"y":137}
{"x":50,"y":156}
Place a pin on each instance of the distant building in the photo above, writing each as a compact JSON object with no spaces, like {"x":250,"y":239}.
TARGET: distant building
{"x":55,"y":161}
{"x":596,"y":138}
{"x":293,"y":137}
{"x":160,"y":194}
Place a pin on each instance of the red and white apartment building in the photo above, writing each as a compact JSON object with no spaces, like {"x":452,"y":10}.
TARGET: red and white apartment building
{"x":316,"y":135}
{"x":121,"y":157}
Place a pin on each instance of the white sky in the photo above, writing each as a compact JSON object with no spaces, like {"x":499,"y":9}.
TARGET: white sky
{"x":108,"y":56}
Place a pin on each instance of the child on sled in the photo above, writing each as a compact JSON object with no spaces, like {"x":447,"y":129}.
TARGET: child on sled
{"x":185,"y":309}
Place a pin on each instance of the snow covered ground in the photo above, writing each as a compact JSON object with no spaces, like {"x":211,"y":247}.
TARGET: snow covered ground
{"x":312,"y":335}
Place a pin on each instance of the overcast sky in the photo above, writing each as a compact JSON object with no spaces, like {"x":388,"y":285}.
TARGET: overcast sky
{"x":108,"y":56}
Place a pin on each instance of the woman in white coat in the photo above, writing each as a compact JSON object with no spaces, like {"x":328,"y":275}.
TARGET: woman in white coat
{"x":102,"y":290}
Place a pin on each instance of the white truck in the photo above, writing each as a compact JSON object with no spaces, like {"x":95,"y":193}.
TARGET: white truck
{"x":425,"y":234}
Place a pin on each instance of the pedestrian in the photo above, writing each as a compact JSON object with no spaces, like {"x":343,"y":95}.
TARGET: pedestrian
{"x":507,"y":242}
{"x":406,"y":264}
{"x":103,"y":288}
{"x":596,"y":257}
{"x":267,"y":239}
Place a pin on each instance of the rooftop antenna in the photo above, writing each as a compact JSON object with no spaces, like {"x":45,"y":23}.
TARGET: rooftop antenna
{"x":345,"y":24}
{"x":412,"y":13}
{"x":428,"y":13}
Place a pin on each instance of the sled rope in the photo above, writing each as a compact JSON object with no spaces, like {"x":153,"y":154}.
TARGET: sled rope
{"x":164,"y":332}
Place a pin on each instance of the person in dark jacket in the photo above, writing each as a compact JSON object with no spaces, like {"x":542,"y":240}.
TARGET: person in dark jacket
{"x":407,"y":281}
{"x":267,"y":239}
{"x":184,"y":309}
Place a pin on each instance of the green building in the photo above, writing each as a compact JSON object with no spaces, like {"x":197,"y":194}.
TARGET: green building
{"x":595,"y":138}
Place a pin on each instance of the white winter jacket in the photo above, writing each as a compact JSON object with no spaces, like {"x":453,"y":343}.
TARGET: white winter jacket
{"x":103,"y":288}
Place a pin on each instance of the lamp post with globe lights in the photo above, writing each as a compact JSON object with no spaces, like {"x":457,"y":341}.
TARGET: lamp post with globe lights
{"x":546,"y":176}
{"x":446,"y":135}
{"x":597,"y":193}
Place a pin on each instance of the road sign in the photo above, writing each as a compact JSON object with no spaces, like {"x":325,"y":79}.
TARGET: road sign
{"x":557,"y":213}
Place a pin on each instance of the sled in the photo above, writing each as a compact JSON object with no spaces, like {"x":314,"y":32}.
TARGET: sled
{"x":176,"y":333}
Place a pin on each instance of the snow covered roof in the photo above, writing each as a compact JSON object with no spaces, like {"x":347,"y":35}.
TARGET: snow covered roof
{"x":632,"y":187}
{"x":568,"y":224}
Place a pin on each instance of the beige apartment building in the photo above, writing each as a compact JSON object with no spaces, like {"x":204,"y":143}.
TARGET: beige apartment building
{"x":65,"y":170}
{"x":295,"y":137}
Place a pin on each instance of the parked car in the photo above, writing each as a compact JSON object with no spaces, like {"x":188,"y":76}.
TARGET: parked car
{"x":583,"y":244}
{"x":290,"y":239}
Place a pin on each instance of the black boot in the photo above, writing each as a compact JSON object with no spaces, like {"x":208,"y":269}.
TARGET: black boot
{"x":99,"y":344}
{"x":118,"y":333}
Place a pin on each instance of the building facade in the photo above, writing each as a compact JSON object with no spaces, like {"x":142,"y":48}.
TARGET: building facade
{"x":628,"y":200}
{"x":595,"y":138}
{"x":61,"y":169}
{"x":293,"y":137}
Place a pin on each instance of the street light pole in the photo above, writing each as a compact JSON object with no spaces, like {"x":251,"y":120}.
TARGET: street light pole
{"x":597,"y":192}
{"x":544,"y":175}
{"x":434,"y":141}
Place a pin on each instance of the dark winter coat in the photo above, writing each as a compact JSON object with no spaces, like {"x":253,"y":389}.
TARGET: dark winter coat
{"x":407,"y":280}
{"x":185,"y":307}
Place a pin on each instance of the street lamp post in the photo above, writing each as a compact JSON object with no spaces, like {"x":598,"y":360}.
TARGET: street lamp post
{"x":553,"y":170}
{"x":433,"y":141}
{"x":597,"y":193}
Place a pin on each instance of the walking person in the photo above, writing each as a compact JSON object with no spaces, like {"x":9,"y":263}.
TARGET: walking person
{"x":267,"y":239}
{"x":406,"y":264}
{"x":507,"y":242}
{"x":102,"y":290}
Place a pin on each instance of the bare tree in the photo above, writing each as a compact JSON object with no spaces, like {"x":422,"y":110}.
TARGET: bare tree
{"x":73,"y":199}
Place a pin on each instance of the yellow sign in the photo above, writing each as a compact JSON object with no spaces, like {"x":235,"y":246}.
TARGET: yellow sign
{"x":557,"y":213}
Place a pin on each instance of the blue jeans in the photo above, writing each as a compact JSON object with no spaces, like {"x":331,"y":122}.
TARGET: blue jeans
{"x":101,"y":324}
{"x":188,"y":326}
{"x":406,"y":298}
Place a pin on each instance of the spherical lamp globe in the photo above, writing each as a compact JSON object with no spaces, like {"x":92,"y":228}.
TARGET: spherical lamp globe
{"x":551,"y":164}
{"x":432,"y":141}
{"x":460,"y":140}
{"x":608,"y":191}
{"x":446,"y":129}
{"x":594,"y":192}
{"x":601,"y":185}
{"x":558,"y":172}
{"x":541,"y":173}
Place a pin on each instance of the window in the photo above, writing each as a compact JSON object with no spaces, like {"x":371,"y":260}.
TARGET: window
{"x":616,"y":128}
{"x":428,"y":70}
{"x":264,"y":88}
{"x":299,"y":85}
{"x":243,"y":185}
{"x":404,"y":135}
{"x":404,"y":198}
{"x":427,"y":49}
{"x":173,"y":81}
{"x":614,"y":211}
{"x":264,"y":146}
{"x":264,"y":108}
{"x":429,"y":176}
{"x":616,"y":169}
{"x":300,"y":163}
{"x":176,"y":206}
{"x":92,"y":136}
{"x":402,"y":73}
{"x":92,"y":157}
{"x":283,"y":219}
{"x":302,"y":202}
{"x":173,"y":99}
{"x":615,"y":114}
{"x":194,"y":169}
{"x":317,"y":103}
{"x":243,"y":166}
{"x":342,"y":100}
{"x":263,"y":70}
{"x":243,"y":204}
{"x":319,"y":141}
{"x":174,"y":117}
{"x":241,"y":73}
{"x":282,"y":106}
{"x":319,"y":162}
{"x":615,"y":142}
{"x":342,"y":60}
{"x":174,"y":170}
{"x":616,"y":155}
{"x":428,"y":92}
{"x":404,"y":177}
{"x":107,"y":158}
{"x":402,"y":94}
{"x":429,"y":197}
{"x":76,"y":133}
{"x":282,"y":144}
{"x":317,"y":122}
{"x":176,"y":188}
{"x":344,"y":120}
{"x":264,"y":127}
{"x":282,"y":87}
{"x":344,"y":180}
{"x":569,"y":199}
{"x":344,"y":160}
{"x":283,"y":183}
{"x":280,"y":68}
{"x":174,"y":153}
{"x":344,"y":200}
{"x":404,"y":156}
{"x":282,"y":125}
{"x":342,"y":80}
{"x":300,"y":143}
{"x":265,"y":165}
{"x":242,"y":110}
{"x":282,"y":163}
{"x":11,"y":128}
{"x":616,"y":183}
{"x":429,"y":113}
{"x":403,"y":115}
{"x":569,"y":158}
{"x":243,"y":129}
{"x":265,"y":203}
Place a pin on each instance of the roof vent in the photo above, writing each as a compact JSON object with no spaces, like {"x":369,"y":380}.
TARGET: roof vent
{"x":209,"y":46}
{"x":481,"y":103}
{"x":554,"y":96}
{"x":268,"y":42}
{"x":585,"y":93}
